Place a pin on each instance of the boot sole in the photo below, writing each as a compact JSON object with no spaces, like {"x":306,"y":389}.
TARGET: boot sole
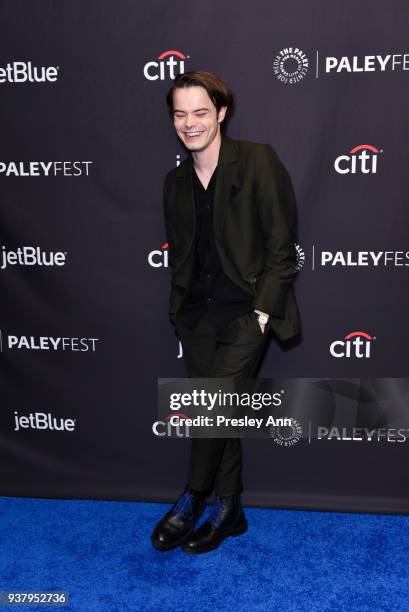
{"x":235,"y":531}
{"x":177,"y":543}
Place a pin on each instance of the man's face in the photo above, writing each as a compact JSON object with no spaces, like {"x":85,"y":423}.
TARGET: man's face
{"x":195,"y":117}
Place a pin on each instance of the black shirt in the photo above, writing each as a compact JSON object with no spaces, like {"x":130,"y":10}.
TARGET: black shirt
{"x":211,"y":289}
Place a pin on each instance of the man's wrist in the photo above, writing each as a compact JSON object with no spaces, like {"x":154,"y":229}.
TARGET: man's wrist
{"x":261,"y":312}
{"x":263,"y":317}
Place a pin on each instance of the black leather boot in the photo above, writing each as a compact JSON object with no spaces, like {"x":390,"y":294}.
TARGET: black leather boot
{"x":178,"y":523}
{"x":226,"y":519}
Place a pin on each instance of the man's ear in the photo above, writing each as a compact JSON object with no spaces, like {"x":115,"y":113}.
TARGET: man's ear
{"x":222,"y":113}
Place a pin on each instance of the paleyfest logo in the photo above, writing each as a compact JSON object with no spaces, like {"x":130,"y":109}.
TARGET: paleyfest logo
{"x":355,"y":344}
{"x":46,"y":343}
{"x":366,"y":63}
{"x":362,"y":159}
{"x":291,"y":64}
{"x":167,"y":66}
{"x":359,"y":259}
{"x":44,"y":168}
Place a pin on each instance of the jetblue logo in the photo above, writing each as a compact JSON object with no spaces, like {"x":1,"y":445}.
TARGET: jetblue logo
{"x":42,"y":420}
{"x":31,"y":256}
{"x":26,"y":72}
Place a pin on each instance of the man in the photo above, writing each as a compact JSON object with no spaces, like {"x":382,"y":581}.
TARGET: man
{"x":229,"y":212}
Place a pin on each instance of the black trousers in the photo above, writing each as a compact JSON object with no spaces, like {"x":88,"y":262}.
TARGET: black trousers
{"x":236,"y":352}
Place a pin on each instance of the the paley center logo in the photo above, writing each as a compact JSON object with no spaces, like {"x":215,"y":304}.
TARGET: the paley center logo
{"x":290,"y":65}
{"x":15,"y":342}
{"x":31,"y":256}
{"x":356,"y":344}
{"x":45,"y":168}
{"x":166,"y":66}
{"x":27,"y":72}
{"x":300,"y":258}
{"x":287,"y":433}
{"x":362,"y":159}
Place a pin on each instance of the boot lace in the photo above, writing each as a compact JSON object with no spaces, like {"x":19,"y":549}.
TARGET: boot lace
{"x":184,"y":506}
{"x":216,"y":514}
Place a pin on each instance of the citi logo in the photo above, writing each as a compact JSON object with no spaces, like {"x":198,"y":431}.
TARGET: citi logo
{"x":42,"y":420}
{"x":355,"y":344}
{"x":23,"y":72}
{"x":163,"y":428}
{"x":362,"y":159}
{"x":159,"y":258}
{"x":165,"y":67}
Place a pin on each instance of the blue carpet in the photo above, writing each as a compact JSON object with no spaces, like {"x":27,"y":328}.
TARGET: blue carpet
{"x":100,"y":552}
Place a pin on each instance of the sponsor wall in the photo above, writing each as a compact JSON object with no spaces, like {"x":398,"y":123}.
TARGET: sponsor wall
{"x":84,"y":275}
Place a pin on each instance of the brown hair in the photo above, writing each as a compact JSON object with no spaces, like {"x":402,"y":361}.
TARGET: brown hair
{"x":217,"y":90}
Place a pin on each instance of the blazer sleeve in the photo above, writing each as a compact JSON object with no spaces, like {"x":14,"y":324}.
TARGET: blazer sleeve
{"x":276,"y":204}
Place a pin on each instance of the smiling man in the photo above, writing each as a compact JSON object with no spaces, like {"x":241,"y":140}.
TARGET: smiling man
{"x":229,"y":213}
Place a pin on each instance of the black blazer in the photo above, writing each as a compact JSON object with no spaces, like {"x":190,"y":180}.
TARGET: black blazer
{"x":254,"y":222}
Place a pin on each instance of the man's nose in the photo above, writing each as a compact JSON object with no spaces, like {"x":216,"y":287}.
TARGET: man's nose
{"x":189,"y":121}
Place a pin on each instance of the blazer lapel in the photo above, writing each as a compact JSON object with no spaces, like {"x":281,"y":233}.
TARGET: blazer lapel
{"x":227,"y":184}
{"x":185,"y":210}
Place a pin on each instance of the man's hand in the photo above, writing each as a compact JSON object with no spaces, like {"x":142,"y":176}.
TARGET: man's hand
{"x":262,"y":326}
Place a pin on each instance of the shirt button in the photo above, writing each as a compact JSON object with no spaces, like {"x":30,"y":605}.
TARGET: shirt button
{"x":209,"y":299}
{"x":207,"y":205}
{"x":208,"y":275}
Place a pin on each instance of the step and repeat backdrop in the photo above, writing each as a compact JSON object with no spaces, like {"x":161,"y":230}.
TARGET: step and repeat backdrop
{"x":84,"y":274}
